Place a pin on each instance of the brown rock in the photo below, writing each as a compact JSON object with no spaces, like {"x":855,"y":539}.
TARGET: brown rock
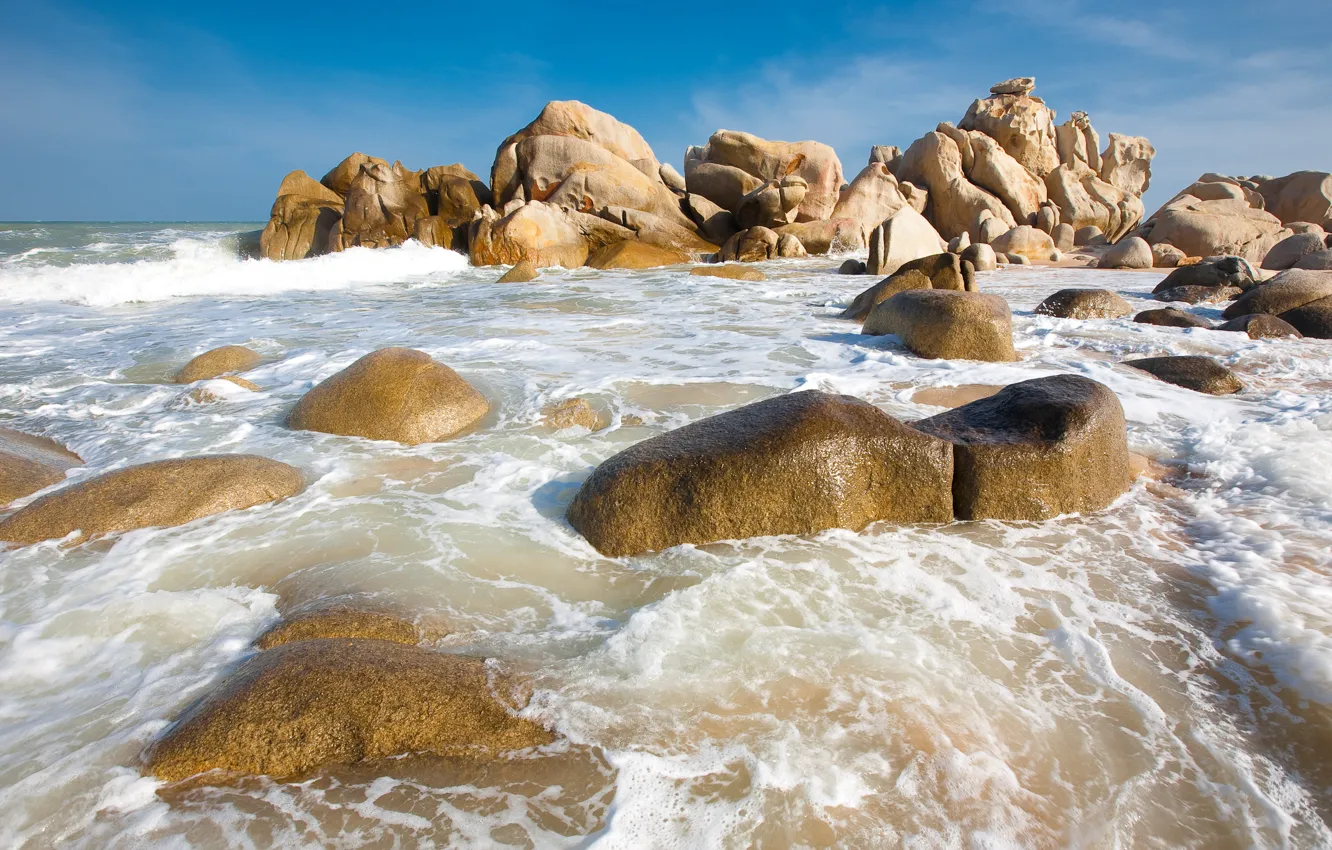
{"x":1036,"y":449}
{"x":1288,"y":290}
{"x":339,"y":621}
{"x":383,"y":205}
{"x":391,"y":394}
{"x":304,"y":705}
{"x":852,"y":266}
{"x":729,"y":270}
{"x":1201,"y":374}
{"x":632,"y":254}
{"x":545,"y":234}
{"x":218,"y":362}
{"x":823,"y":237}
{"x":947,"y":324}
{"x":435,"y":232}
{"x":1313,"y":319}
{"x":299,"y":227}
{"x":1026,"y":241}
{"x":1210,"y":271}
{"x":1084,"y":304}
{"x":454,"y":194}
{"x":795,"y":464}
{"x":340,"y":178}
{"x":941,"y":271}
{"x":1317,"y":261}
{"x":815,"y":163}
{"x":29,"y":463}
{"x":1210,"y":228}
{"x":723,"y":185}
{"x":1200,"y":294}
{"x":1166,"y":256}
{"x":1260,"y":326}
{"x":750,"y":246}
{"x":1171,"y":317}
{"x":1022,"y":125}
{"x":573,"y":413}
{"x":1302,"y":196}
{"x":1289,"y":251}
{"x":522,"y":272}
{"x":163,"y":493}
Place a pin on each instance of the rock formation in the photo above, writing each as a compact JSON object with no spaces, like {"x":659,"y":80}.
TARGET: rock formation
{"x":217,"y":362}
{"x":29,"y":463}
{"x":947,"y":324}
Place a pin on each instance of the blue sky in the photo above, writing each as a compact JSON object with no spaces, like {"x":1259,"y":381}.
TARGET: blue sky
{"x":195,"y":111}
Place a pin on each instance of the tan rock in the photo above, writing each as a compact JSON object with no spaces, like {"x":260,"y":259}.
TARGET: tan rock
{"x":817,"y":164}
{"x":729,"y":270}
{"x":750,"y":246}
{"x":1022,"y":125}
{"x":1165,"y":255}
{"x":714,"y":223}
{"x":1201,"y":374}
{"x":1260,"y":326}
{"x":339,"y":621}
{"x":1200,"y":294}
{"x":947,"y":324}
{"x":299,"y":227}
{"x":1289,"y":251}
{"x":1171,"y":317}
{"x":934,"y":161}
{"x":794,"y":464}
{"x":633,"y":254}
{"x":1210,"y":271}
{"x":939,"y":271}
{"x":1000,"y":174}
{"x":655,"y":230}
{"x":1085,"y":200}
{"x":340,"y":178}
{"x":1289,"y":289}
{"x":218,"y":362}
{"x":772,"y":204}
{"x":1302,"y":196}
{"x":522,"y":272}
{"x":454,"y":194}
{"x":391,"y":394}
{"x":1210,"y":228}
{"x":303,"y":185}
{"x":545,"y":234}
{"x":1026,"y":241}
{"x":1132,"y":252}
{"x":902,"y":237}
{"x":1063,"y":236}
{"x":981,"y":257}
{"x":871,"y":198}
{"x":383,"y":205}
{"x":1036,"y":449}
{"x":573,"y":413}
{"x":162,"y":493}
{"x":435,"y":232}
{"x":825,"y":237}
{"x":724,"y":185}
{"x":313,"y":703}
{"x":1127,"y":164}
{"x":1084,"y":304}
{"x":29,"y":463}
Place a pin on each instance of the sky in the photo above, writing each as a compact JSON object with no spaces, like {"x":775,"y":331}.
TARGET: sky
{"x":194,"y":111}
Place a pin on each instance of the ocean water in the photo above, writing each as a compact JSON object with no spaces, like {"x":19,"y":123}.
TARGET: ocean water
{"x":1158,"y":674}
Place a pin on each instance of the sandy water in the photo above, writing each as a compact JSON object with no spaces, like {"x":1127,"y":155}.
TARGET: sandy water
{"x":1155,"y":675}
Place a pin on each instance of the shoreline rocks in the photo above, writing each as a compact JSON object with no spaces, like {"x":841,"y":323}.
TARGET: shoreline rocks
{"x":947,"y":324}
{"x":29,"y":463}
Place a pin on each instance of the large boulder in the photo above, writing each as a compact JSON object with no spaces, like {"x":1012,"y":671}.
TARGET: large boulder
{"x":934,"y":161}
{"x":772,"y":204}
{"x":1289,"y":251}
{"x":1288,"y":290}
{"x":1201,"y":374}
{"x":1085,"y":200}
{"x":1126,"y":164}
{"x":875,"y":195}
{"x":214,"y":363}
{"x":633,"y":254}
{"x":1223,"y":271}
{"x":724,"y":185}
{"x":1004,"y":177}
{"x":394,"y":394}
{"x":29,"y":463}
{"x":314,"y":703}
{"x":1313,"y":319}
{"x":1260,"y":326}
{"x":938,"y":271}
{"x":1170,"y":317}
{"x":1302,"y":196}
{"x":383,"y":206}
{"x":1022,"y":125}
{"x":1036,"y":449}
{"x":825,"y":237}
{"x":902,"y":237}
{"x":1214,"y":217}
{"x":1028,"y":241}
{"x":1130,"y":253}
{"x":1084,"y":304}
{"x":947,"y":324}
{"x":161,"y":493}
{"x":817,"y":164}
{"x":1317,"y":261}
{"x":339,"y":178}
{"x":300,"y":220}
{"x":795,"y":464}
{"x":454,"y":194}
{"x":542,"y":233}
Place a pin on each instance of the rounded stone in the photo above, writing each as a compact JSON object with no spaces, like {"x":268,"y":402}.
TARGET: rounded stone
{"x":1171,"y":317}
{"x":733,"y":271}
{"x":1289,"y":289}
{"x":1260,"y":326}
{"x":1084,"y":304}
{"x":633,"y":254}
{"x":522,"y":272}
{"x":1289,"y":251}
{"x":1201,"y":374}
{"x":29,"y":463}
{"x":339,"y":621}
{"x":218,"y":362}
{"x":1130,"y":253}
{"x":947,"y":324}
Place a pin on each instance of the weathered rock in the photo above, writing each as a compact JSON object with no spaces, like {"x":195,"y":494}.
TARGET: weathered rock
{"x":989,"y":228}
{"x":1304,"y":227}
{"x":29,"y":463}
{"x":339,"y":178}
{"x":573,"y":413}
{"x":454,"y":194}
{"x":1171,"y":317}
{"x":1260,"y":326}
{"x":1210,"y":271}
{"x":824,"y":237}
{"x":1289,"y":289}
{"x":1289,"y":251}
{"x":714,"y":223}
{"x":731,"y":271}
{"x":1209,"y":228}
{"x":772,"y":204}
{"x":655,"y":230}
{"x":1017,"y":85}
{"x":815,"y":163}
{"x":1027,"y":241}
{"x":1087,"y":235}
{"x":522,"y":272}
{"x":1130,"y":253}
{"x":750,"y":246}
{"x":788,"y":246}
{"x":852,"y":266}
{"x":1021,"y":124}
{"x":958,"y":244}
{"x":1313,"y":319}
{"x":938,"y":271}
{"x":1047,"y":219}
{"x":724,"y":185}
{"x":1084,"y":304}
{"x":391,"y":394}
{"x":1165,"y":256}
{"x":1200,"y":294}
{"x":1003,"y":176}
{"x":889,"y":155}
{"x":981,"y":257}
{"x":383,"y":206}
{"x":871,"y":198}
{"x":955,"y":203}
{"x":339,"y":621}
{"x":1063,"y":237}
{"x":947,"y":324}
{"x":312,"y":703}
{"x":1201,"y":374}
{"x":545,"y":234}
{"x":299,"y":227}
{"x":633,"y":254}
{"x":794,"y":464}
{"x":1085,"y":200}
{"x":162,"y":493}
{"x":1302,"y":196}
{"x":1126,"y":164}
{"x":218,"y":362}
{"x":1317,"y":261}
{"x":673,"y":179}
{"x":1078,"y":143}
{"x":1036,"y":449}
{"x":903,"y":237}
{"x":435,"y":232}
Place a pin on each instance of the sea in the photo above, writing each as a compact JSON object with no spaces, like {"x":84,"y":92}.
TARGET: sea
{"x":1154,"y":675}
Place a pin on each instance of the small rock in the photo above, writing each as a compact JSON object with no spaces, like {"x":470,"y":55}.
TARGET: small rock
{"x":1025,"y":241}
{"x":1171,"y":317}
{"x":1210,"y":271}
{"x":1084,"y":304}
{"x":1063,"y":236}
{"x":1016,"y":259}
{"x":522,"y":272}
{"x":1317,"y":261}
{"x":1200,"y":294}
{"x":958,"y":244}
{"x":1166,"y":256}
{"x":572,"y":413}
{"x":1088,"y":235}
{"x":981,"y":256}
{"x":734,"y":271}
{"x":1130,"y":253}
{"x":218,"y":362}
{"x":940,"y":271}
{"x":1289,"y":251}
{"x":1201,"y":374}
{"x":1017,"y":85}
{"x":852,"y":267}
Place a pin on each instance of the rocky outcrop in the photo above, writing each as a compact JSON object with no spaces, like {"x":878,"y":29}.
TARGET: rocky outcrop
{"x":902,"y":237}
{"x":1213,"y":217}
{"x":542,"y":233}
{"x":314,"y":703}
{"x":227,"y":360}
{"x":947,"y":324}
{"x":1036,"y":450}
{"x":382,"y":208}
{"x":394,"y":394}
{"x":874,"y":196}
{"x":1126,"y":164}
{"x":795,"y":464}
{"x":300,"y":220}
{"x":955,"y":203}
{"x":824,"y":237}
{"x":1022,"y":125}
{"x":454,"y":194}
{"x":763,"y":160}
{"x":939,"y":271}
{"x":1288,"y":290}
{"x":1200,"y":374}
{"x":1302,"y":196}
{"x":1084,"y":304}
{"x":339,"y":179}
{"x":1287,"y":253}
{"x":163,"y":493}
{"x":29,"y":463}
{"x":1223,"y":271}
{"x":1260,"y":326}
{"x":772,"y":204}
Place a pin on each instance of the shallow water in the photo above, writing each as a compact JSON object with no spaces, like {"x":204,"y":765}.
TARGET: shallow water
{"x":1155,"y":675}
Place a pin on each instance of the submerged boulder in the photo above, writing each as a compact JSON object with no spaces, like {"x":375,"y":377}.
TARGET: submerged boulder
{"x":1036,"y":449}
{"x":1171,"y":317}
{"x":1288,"y":290}
{"x":1260,"y":326}
{"x":542,"y":233}
{"x":1201,"y":374}
{"x":633,"y":254}
{"x":940,"y":271}
{"x":312,"y":703}
{"x":1084,"y":304}
{"x":162,"y":493}
{"x":339,"y":621}
{"x":795,"y":464}
{"x":29,"y":463}
{"x":394,"y":394}
{"x":217,"y":362}
{"x":947,"y":324}
{"x":729,"y":270}
{"x":1313,"y":319}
